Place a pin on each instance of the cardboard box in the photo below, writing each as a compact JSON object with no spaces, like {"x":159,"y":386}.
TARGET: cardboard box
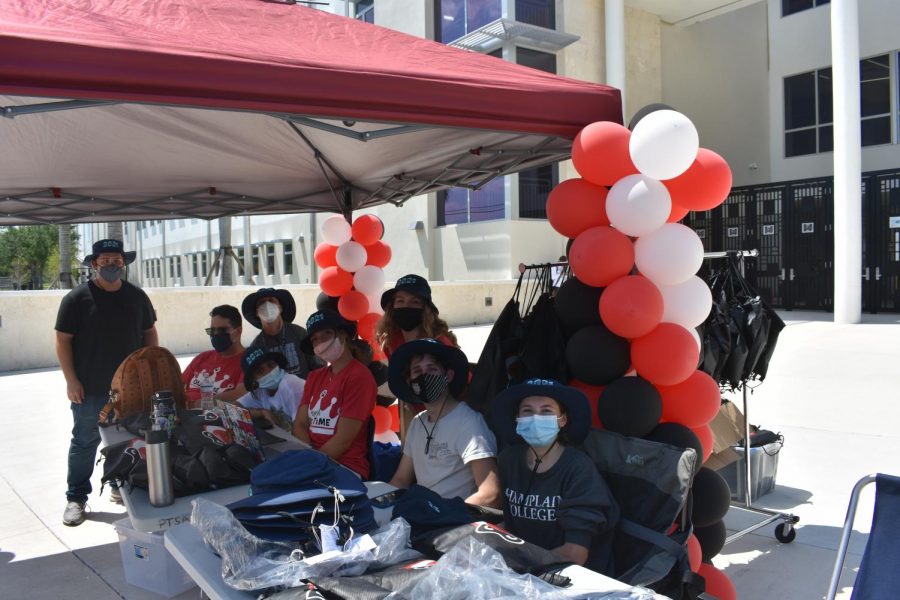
{"x":727,"y":429}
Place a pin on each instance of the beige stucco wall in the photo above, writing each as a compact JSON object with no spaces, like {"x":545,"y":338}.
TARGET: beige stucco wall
{"x":27,"y":318}
{"x":643,"y":70}
{"x":715,"y":72}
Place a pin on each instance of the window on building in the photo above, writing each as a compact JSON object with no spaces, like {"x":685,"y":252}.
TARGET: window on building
{"x":153,"y":227}
{"x":195,"y":259}
{"x":458,"y":205}
{"x":255,"y":260}
{"x":789,"y":7}
{"x":537,"y":12}
{"x":535,"y":184}
{"x":288,"y":258}
{"x":204,"y":269}
{"x":875,"y":100}
{"x":177,"y":261}
{"x":365,"y":11}
{"x":171,"y":263}
{"x":172,"y":224}
{"x":808,"y":109}
{"x":456,"y":18}
{"x":270,"y":259}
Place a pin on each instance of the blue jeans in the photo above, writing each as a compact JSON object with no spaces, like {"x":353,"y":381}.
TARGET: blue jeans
{"x":83,"y":447}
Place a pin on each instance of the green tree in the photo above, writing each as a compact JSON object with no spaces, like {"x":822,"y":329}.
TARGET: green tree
{"x":24,"y":253}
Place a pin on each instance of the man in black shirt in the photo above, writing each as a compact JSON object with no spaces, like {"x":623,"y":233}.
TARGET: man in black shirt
{"x":273,"y":311}
{"x":99,"y":324}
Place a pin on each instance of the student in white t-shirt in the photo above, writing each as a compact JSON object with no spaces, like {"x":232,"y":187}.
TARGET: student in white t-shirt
{"x":448,"y":448}
{"x":273,"y":393}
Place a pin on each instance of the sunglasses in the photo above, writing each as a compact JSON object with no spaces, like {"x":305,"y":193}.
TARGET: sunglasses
{"x":218,"y":330}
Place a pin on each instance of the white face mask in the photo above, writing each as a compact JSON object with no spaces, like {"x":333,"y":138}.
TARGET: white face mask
{"x":268,"y":312}
{"x":331,"y":350}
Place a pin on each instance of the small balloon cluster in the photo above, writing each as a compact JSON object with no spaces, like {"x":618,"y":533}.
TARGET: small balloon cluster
{"x":352,"y":259}
{"x":631,"y":309}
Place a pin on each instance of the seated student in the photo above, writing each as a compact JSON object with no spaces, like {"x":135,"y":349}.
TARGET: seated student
{"x":273,"y":393}
{"x":449,"y":448}
{"x":222,"y":364}
{"x":273,"y":311}
{"x":409,"y":314}
{"x":338,"y":399}
{"x":553,"y":495}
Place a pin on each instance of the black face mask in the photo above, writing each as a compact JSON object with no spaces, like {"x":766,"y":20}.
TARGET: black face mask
{"x":408,"y":318}
{"x":428,"y":387}
{"x":221,"y":341}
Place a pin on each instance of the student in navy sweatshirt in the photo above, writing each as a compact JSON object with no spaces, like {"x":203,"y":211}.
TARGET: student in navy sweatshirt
{"x":553,"y":495}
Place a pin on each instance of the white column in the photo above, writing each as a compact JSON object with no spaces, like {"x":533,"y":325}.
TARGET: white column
{"x":847,"y":167}
{"x":615,"y":46}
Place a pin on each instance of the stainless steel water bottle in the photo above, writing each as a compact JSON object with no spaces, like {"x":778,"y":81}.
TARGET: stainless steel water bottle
{"x":159,"y":468}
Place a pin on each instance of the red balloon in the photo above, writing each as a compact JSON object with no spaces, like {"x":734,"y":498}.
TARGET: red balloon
{"x":631,"y":306}
{"x":367,"y":229}
{"x":705,"y":435}
{"x":693,"y":402}
{"x":677,"y":213}
{"x":705,"y":184}
{"x":575,"y":205}
{"x":717,"y":583}
{"x":665,"y":356}
{"x":325,"y":255}
{"x":353,"y":305}
{"x":695,"y":553}
{"x":394,"y":410}
{"x":382,"y":419}
{"x":378,"y":254}
{"x":593,"y":395}
{"x":600,"y":255}
{"x":600,"y":153}
{"x":366,"y":325}
{"x":335,"y":281}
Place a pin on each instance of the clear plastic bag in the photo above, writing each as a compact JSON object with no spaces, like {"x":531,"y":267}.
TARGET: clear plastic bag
{"x":251,"y":563}
{"x":473,"y":571}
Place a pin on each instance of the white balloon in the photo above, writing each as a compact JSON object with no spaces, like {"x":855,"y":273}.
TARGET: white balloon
{"x":696,"y":335}
{"x":664,"y":144}
{"x":670,"y":255}
{"x":637,"y":205}
{"x":687,"y":304}
{"x":369,"y":280}
{"x":387,"y":437}
{"x":351,"y":256}
{"x":336,"y":230}
{"x":375,"y":302}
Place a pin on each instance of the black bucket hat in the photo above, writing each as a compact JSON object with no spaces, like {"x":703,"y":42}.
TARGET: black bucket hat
{"x":506,"y":405}
{"x":449,"y":356}
{"x":325,"y":319}
{"x":413,"y":284}
{"x":288,"y":306}
{"x":252,"y":357}
{"x":108,"y":246}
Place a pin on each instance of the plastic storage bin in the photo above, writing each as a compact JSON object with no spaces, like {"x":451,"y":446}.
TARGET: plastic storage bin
{"x":147,"y":563}
{"x":763,"y":469}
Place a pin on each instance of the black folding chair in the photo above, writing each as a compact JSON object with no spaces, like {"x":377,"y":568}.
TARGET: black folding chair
{"x":879,"y":572}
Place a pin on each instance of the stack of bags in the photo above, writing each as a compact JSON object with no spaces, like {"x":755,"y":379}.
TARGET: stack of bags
{"x":296,"y":492}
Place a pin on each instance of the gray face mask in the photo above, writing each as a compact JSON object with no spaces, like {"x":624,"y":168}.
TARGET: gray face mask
{"x":110,"y":273}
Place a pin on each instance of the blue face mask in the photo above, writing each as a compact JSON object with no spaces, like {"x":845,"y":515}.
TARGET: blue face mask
{"x":111,"y":273}
{"x":271,"y":380}
{"x":538,"y":431}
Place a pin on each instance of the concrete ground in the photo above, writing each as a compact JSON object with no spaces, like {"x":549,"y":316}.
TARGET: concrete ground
{"x":829,"y":391}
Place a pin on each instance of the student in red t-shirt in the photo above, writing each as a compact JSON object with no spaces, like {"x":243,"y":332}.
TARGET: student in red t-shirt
{"x":222,"y":364}
{"x":338,"y":399}
{"x":409,"y":314}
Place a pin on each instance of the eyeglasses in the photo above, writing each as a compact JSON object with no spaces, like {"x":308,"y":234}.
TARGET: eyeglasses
{"x":105,"y":262}
{"x":218,"y":330}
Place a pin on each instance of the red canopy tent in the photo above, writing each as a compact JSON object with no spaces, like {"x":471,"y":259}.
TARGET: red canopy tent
{"x":147,"y":109}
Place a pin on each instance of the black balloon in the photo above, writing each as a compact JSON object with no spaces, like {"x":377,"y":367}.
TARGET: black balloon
{"x":569,"y":246}
{"x":577,"y":305}
{"x":596,"y":356}
{"x":630,"y":406}
{"x":646,"y":111}
{"x":324,"y":301}
{"x":711,"y":538}
{"x":712,"y":497}
{"x":680,"y":436}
